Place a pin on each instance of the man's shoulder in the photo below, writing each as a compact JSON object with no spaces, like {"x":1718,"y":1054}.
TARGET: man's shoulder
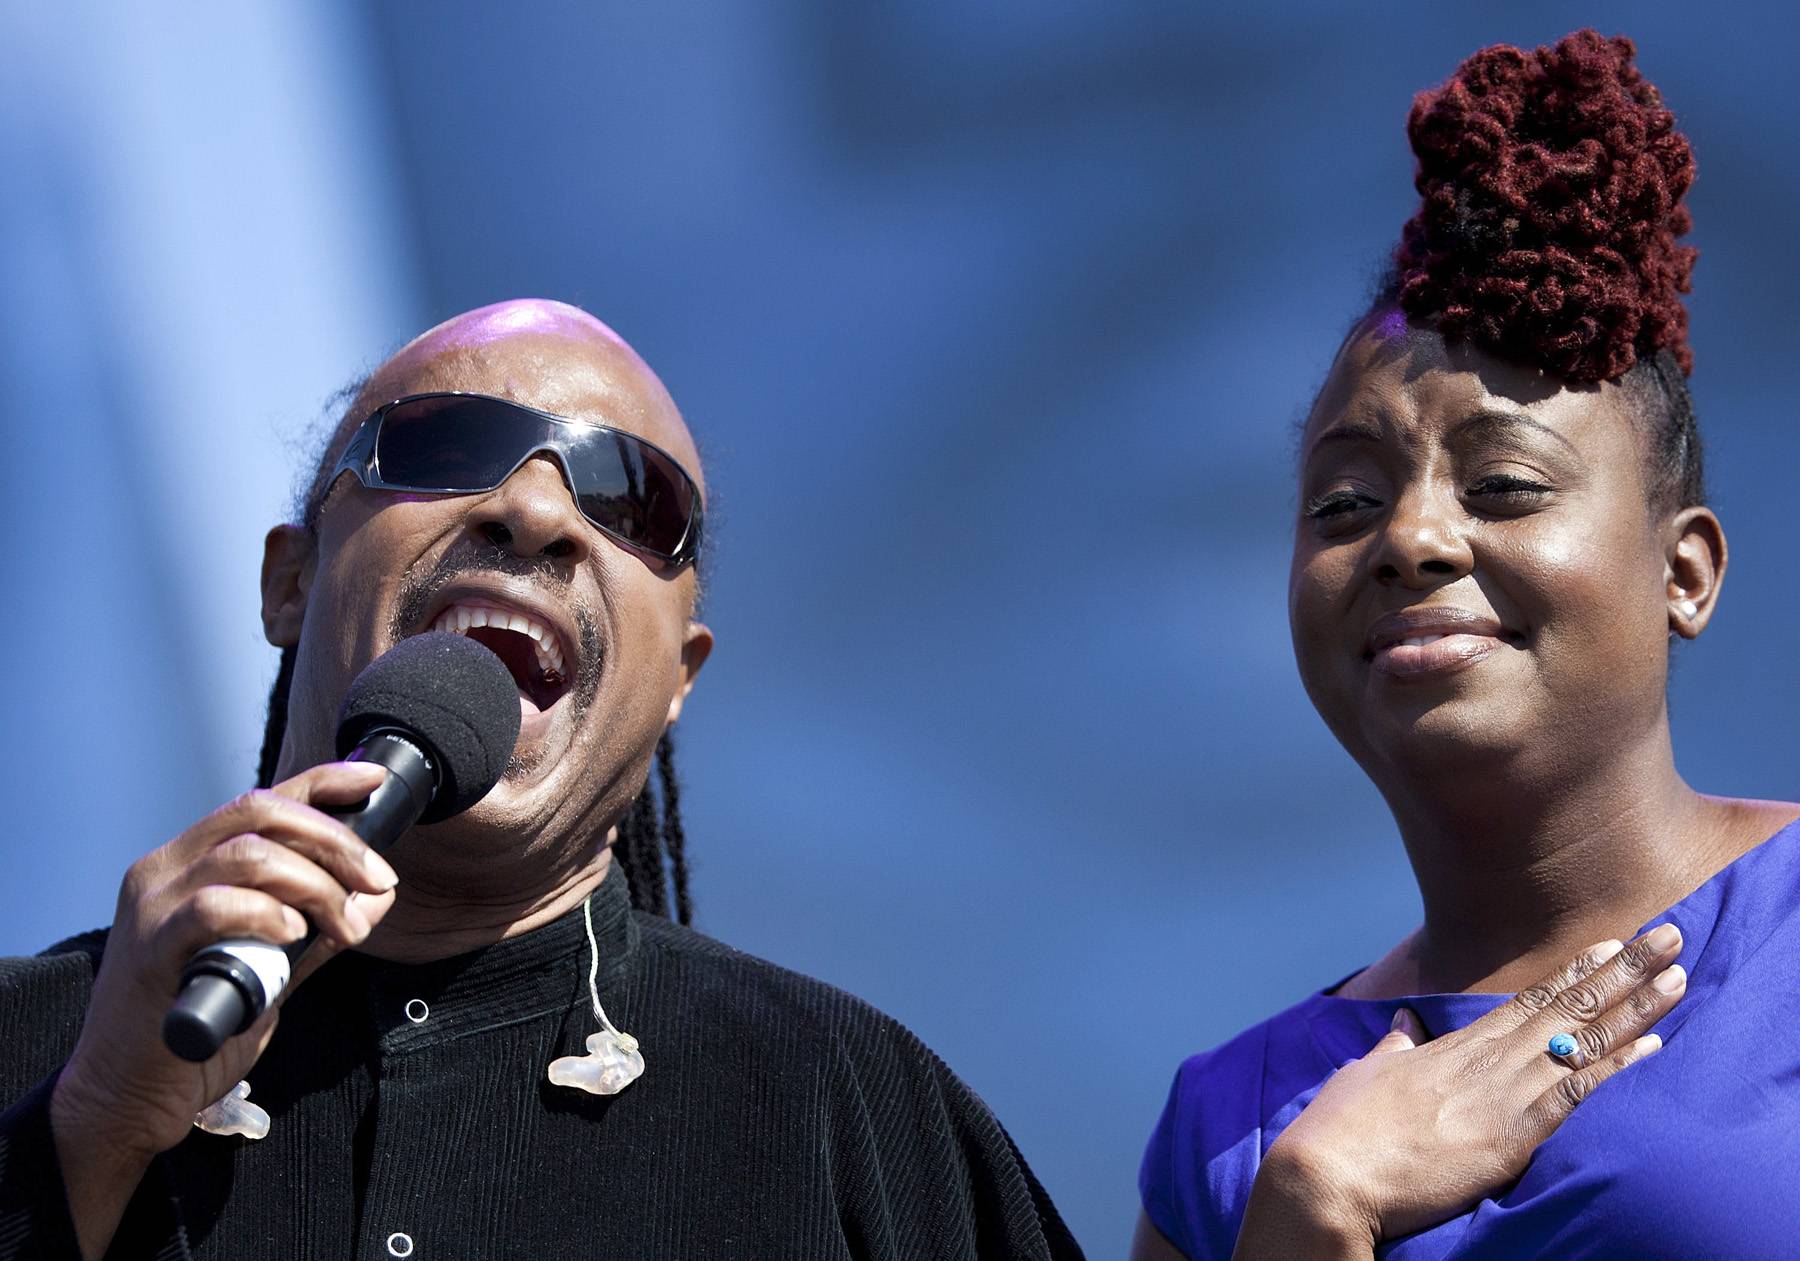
{"x":725,"y":984}
{"x":69,"y":964}
{"x":917,"y":1160}
{"x":43,"y":998}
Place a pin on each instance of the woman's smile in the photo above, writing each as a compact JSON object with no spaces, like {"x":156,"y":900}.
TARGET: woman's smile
{"x":1424,"y":642}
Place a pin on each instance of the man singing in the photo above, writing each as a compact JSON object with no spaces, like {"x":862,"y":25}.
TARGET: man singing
{"x":499,"y":1046}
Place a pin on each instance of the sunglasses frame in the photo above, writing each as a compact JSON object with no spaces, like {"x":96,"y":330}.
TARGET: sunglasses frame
{"x":361,"y":458}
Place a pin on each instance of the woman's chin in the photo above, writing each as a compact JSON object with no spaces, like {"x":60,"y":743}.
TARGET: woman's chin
{"x":1447,"y":733}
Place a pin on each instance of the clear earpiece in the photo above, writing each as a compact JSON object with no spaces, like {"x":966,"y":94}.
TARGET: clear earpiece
{"x":234,"y":1114}
{"x":613,"y":1060}
{"x":611,"y":1064}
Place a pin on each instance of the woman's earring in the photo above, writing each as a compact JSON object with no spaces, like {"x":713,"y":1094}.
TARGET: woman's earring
{"x":1688,"y":609}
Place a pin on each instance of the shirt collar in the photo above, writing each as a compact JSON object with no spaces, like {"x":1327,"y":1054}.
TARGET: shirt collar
{"x":1722,"y":923}
{"x":412,"y":1005}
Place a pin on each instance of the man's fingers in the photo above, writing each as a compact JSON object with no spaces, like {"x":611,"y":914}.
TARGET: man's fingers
{"x":372,"y":905}
{"x":217,"y":912}
{"x":1566,"y":1094}
{"x":279,"y":816}
{"x":333,"y":783}
{"x":337,"y":850}
{"x":257,"y":862}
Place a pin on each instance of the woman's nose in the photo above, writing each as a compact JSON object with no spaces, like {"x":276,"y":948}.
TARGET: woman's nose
{"x":1422,"y":544}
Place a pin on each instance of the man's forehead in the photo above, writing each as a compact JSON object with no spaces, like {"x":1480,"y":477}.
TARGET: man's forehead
{"x":546,"y":355}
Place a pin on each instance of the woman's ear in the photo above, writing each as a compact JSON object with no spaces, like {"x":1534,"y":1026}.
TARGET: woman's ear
{"x":1694,"y":569}
{"x":287,"y":572}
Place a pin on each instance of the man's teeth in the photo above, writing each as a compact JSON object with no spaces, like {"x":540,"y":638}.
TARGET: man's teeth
{"x":458,"y":618}
{"x":1419,"y":641}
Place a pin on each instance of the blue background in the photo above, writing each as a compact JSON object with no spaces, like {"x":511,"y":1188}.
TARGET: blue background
{"x":994,"y":322}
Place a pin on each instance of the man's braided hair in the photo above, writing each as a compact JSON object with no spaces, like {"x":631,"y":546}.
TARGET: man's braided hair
{"x":1551,"y":185}
{"x":650,"y":847}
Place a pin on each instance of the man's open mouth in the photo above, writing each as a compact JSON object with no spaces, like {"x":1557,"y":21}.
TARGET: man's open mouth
{"x":533,"y":652}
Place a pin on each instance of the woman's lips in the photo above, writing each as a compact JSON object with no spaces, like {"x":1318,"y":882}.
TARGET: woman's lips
{"x":1428,"y":655}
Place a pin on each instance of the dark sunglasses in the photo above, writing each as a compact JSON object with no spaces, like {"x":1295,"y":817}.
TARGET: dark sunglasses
{"x":466,"y":444}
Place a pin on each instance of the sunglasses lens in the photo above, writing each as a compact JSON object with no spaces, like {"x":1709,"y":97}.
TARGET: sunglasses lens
{"x":451,"y":444}
{"x":629,"y":489}
{"x":467,"y":445}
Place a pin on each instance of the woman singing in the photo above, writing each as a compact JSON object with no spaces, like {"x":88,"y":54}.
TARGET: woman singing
{"x":1501,"y":534}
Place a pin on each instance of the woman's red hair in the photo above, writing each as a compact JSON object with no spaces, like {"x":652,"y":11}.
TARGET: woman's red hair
{"x":1552,"y":184}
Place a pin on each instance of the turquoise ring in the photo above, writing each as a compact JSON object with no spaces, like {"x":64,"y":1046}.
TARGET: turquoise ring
{"x":1563,"y":1046}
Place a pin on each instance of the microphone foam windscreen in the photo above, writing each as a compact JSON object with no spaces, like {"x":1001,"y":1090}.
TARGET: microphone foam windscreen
{"x":458,"y":698}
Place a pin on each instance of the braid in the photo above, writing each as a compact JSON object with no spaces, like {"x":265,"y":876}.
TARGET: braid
{"x":276,"y":728}
{"x":674,"y":838}
{"x":640,"y":848}
{"x":651,"y":845}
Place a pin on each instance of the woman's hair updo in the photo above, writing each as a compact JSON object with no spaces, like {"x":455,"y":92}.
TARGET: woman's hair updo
{"x":1547,"y":235}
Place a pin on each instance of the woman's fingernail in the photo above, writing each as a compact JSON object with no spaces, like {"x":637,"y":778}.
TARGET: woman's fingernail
{"x":1649,"y":1044}
{"x":379,"y":871}
{"x":1670,"y":979}
{"x":295,"y":923}
{"x":353,"y":914}
{"x":1662,"y":936}
{"x":1606,"y":950}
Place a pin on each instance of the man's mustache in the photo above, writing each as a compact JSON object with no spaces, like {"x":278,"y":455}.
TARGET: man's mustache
{"x":478,"y":559}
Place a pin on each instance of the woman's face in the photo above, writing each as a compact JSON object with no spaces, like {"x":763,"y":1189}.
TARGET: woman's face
{"x":1478,"y":580}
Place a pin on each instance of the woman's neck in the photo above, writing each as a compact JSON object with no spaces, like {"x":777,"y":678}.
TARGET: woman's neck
{"x":1518,"y":871}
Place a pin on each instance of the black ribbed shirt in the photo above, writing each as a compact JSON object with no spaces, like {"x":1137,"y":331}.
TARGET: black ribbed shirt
{"x":776,"y":1117}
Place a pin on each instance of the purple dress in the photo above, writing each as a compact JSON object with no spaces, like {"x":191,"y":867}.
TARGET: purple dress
{"x":1693,"y":1153}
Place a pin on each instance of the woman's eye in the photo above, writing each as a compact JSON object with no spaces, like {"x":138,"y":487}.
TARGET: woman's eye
{"x":1336,"y":504}
{"x":1505,"y":486}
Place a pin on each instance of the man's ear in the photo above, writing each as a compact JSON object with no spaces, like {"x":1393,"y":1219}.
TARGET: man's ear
{"x":1695,"y":569}
{"x":696,"y":647}
{"x":287,"y":573}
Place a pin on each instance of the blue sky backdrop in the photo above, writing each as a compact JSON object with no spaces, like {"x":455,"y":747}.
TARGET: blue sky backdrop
{"x":993,"y":321}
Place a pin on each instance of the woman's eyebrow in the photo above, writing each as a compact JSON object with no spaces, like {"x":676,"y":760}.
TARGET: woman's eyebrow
{"x":1350,"y":430}
{"x":1502,"y":424}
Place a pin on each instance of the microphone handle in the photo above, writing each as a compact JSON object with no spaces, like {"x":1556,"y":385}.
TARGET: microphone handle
{"x":226,"y":986}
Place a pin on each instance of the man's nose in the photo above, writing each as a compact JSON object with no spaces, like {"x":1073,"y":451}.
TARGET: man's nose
{"x":532,"y":513}
{"x":1423,"y":543}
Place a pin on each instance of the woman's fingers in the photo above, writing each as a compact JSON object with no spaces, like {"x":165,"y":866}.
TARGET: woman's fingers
{"x":1581,"y":991}
{"x":1553,"y":1106}
{"x":1412,"y":1138}
{"x":1535,"y":998}
{"x":1632,"y":1015}
{"x":1627,"y":973}
{"x":1406,"y":1032}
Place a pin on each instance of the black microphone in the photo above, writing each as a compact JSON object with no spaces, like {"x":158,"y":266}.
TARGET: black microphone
{"x":441,"y":713}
